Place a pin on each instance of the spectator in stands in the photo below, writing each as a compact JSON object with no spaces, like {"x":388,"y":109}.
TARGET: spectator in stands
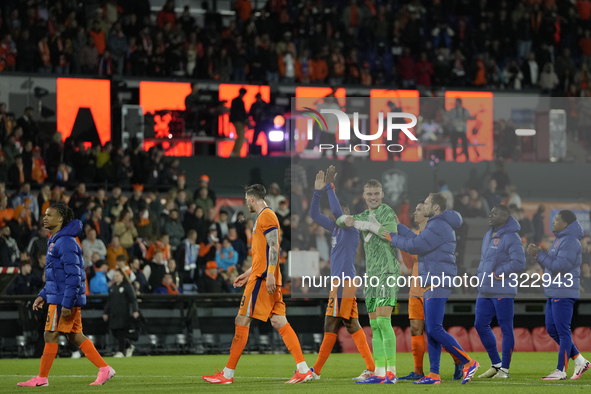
{"x":155,"y":205}
{"x":203,"y":201}
{"x":114,"y":250}
{"x":167,"y":286}
{"x":187,"y":254}
{"x":136,"y":198}
{"x":226,"y":257}
{"x":38,"y":244}
{"x":181,"y":185}
{"x":43,"y":199}
{"x":25,"y":193}
{"x":93,"y":244}
{"x":126,"y":231}
{"x":98,"y":284}
{"x":147,"y":225}
{"x":212,"y":281}
{"x":89,"y":56}
{"x":174,"y":229}
{"x":176,"y":278}
{"x":121,"y":264}
{"x":444,"y":189}
{"x":548,"y":79}
{"x":22,"y":224}
{"x":538,"y":224}
{"x":26,"y":282}
{"x":238,"y":118}
{"x":222,"y":224}
{"x":168,"y":208}
{"x":38,"y":172}
{"x":204,"y":183}
{"x":501,"y":176}
{"x":103,"y":230}
{"x":238,"y":244}
{"x":527,"y":229}
{"x":6,"y":212}
{"x":181,"y":203}
{"x":140,"y":279}
{"x":120,"y":307}
{"x":79,"y":198}
{"x":117,"y":44}
{"x":155,"y":269}
{"x":457,"y":118}
{"x":512,"y":196}
{"x":490,"y":194}
{"x":39,"y":266}
{"x":274,"y":196}
{"x":479,"y":205}
{"x":28,"y":125}
{"x":166,"y":15}
{"x":208,"y":248}
{"x":163,"y":245}
{"x":9,"y":251}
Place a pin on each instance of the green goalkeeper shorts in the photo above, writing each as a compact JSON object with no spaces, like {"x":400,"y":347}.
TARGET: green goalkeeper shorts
{"x":373,"y":303}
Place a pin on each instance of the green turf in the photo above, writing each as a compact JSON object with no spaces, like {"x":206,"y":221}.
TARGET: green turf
{"x":266,"y":374}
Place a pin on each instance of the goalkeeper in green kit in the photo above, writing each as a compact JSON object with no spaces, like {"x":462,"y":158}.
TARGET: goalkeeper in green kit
{"x":381,"y":262}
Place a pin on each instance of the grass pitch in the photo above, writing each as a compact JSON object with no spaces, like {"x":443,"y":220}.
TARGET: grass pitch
{"x":267,"y":373}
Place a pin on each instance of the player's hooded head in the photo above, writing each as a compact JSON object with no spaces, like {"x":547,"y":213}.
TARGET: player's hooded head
{"x":57,"y":216}
{"x":435,"y":204}
{"x":373,"y":194}
{"x":254,"y":195}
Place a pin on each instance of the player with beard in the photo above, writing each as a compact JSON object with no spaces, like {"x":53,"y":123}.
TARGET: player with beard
{"x":262,"y":299}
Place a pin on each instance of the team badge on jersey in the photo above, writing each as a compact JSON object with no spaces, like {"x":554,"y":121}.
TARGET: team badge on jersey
{"x":51,"y":246}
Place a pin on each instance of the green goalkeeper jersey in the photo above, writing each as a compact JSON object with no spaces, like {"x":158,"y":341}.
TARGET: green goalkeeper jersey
{"x":380,"y":255}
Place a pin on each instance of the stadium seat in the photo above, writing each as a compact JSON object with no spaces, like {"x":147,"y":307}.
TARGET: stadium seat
{"x":475,"y":341}
{"x":523,"y":341}
{"x":542,"y":341}
{"x":346,"y":341}
{"x":499,"y":336}
{"x":461,"y":335}
{"x":401,"y":346}
{"x":582,"y":338}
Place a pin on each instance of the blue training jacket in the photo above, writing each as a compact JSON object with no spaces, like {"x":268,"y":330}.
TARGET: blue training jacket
{"x":344,"y":241}
{"x":564,"y":257}
{"x":501,"y":254}
{"x":435,"y":247}
{"x":64,"y":269}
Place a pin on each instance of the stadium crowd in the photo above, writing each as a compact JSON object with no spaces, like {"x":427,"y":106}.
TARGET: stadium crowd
{"x":542,"y":44}
{"x":163,"y":241}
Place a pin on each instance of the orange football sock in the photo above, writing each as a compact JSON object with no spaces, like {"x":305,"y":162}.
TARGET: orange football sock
{"x":292,"y":342}
{"x":238,"y":344}
{"x":433,"y":375}
{"x":456,"y":360}
{"x":325,"y":350}
{"x":418,"y":353}
{"x":363,"y":347}
{"x":91,"y":353}
{"x":49,"y":354}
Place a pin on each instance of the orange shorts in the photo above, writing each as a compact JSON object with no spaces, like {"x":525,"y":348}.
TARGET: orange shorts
{"x":415,"y":309}
{"x":258,"y":303}
{"x":344,"y":307}
{"x":56,"y":322}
